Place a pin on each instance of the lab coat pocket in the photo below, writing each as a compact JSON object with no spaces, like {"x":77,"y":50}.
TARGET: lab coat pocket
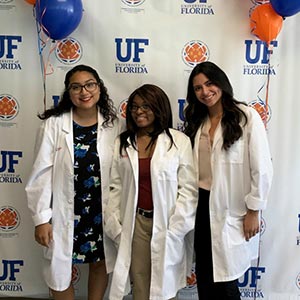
{"x":112,"y":228}
{"x":234,"y":154}
{"x":167,"y":169}
{"x":175,"y":249}
{"x":234,"y":231}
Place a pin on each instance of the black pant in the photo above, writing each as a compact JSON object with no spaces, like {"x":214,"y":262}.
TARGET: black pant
{"x":207,"y":288}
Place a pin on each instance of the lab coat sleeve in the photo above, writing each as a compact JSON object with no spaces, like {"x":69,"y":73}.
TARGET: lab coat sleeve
{"x":261,"y":169}
{"x":183,"y":219}
{"x":39,"y":185}
{"x":112,"y":225}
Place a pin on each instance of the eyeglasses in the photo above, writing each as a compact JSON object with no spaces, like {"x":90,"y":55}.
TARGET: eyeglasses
{"x":143,"y":107}
{"x":76,"y":88}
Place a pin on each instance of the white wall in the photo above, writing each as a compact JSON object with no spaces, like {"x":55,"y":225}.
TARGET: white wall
{"x":161,"y":30}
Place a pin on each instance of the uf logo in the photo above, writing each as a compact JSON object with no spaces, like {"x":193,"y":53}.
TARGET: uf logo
{"x":251,"y":276}
{"x":181,"y":103}
{"x":8,"y":160}
{"x":55,"y":100}
{"x":9,"y":42}
{"x":258,"y":55}
{"x":131,"y":43}
{"x":10,"y":268}
{"x":192,"y":1}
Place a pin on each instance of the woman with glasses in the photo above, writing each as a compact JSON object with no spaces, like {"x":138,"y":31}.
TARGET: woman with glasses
{"x":153,"y":194}
{"x":68,"y":187}
{"x":234,"y":173}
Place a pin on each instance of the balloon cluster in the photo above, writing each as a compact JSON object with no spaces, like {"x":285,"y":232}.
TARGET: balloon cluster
{"x":286,"y":8}
{"x":266,"y":19}
{"x":265,"y":23}
{"x":57,"y":18}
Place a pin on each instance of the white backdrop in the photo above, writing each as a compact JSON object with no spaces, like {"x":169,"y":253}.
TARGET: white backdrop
{"x":131,"y":42}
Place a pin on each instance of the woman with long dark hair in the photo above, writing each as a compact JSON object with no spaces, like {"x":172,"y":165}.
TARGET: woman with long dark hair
{"x":152,"y":205}
{"x":68,"y":187}
{"x":234,"y":177}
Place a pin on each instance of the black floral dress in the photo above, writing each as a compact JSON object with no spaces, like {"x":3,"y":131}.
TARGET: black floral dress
{"x":88,"y":231}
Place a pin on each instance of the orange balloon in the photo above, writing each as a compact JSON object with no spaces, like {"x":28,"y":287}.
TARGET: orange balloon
{"x":265,"y":23}
{"x":31,"y":1}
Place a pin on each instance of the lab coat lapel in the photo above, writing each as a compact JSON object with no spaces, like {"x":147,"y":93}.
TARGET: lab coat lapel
{"x":133,"y":158}
{"x":68,"y":129}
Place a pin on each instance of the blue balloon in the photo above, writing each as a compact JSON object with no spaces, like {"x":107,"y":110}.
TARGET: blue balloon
{"x":286,"y":8}
{"x":57,"y":18}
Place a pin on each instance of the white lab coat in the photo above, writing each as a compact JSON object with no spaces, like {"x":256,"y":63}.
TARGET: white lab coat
{"x":241,"y":179}
{"x":50,"y":190}
{"x":174,"y":190}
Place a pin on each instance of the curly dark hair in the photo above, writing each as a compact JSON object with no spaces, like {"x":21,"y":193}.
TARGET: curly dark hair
{"x":196,"y":112}
{"x":159,"y":103}
{"x":65,"y":104}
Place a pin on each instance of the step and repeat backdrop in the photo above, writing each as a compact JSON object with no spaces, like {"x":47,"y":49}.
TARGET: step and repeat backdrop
{"x":132,"y":42}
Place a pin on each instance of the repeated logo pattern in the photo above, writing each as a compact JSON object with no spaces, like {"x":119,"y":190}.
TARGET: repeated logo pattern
{"x":263,"y":110}
{"x":9,"y":107}
{"x":122,"y":108}
{"x":133,"y":2}
{"x":9,"y":218}
{"x":195,"y":52}
{"x":68,"y":51}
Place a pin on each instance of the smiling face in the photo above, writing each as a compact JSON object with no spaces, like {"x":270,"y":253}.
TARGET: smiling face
{"x":206,"y":92}
{"x":84,"y":94}
{"x":142,"y":114}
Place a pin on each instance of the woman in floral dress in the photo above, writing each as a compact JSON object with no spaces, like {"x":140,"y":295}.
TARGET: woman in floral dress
{"x":68,"y":187}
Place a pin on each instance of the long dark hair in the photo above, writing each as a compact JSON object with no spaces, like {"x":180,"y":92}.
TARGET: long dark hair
{"x":159,"y":103}
{"x":196,"y":112}
{"x":65,"y":104}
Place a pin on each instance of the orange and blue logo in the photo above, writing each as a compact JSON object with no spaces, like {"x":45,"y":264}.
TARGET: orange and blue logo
{"x":122,"y":108}
{"x":263,"y":109}
{"x":133,"y":2}
{"x":262,"y":1}
{"x":9,"y":218}
{"x":195,"y":52}
{"x":298,"y":281}
{"x":9,"y":107}
{"x":262,"y":226}
{"x":191,"y":280}
{"x":68,"y":51}
{"x":75,"y":274}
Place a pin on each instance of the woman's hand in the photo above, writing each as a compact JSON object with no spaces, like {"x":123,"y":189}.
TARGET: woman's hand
{"x":43,"y":234}
{"x":251,"y":224}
